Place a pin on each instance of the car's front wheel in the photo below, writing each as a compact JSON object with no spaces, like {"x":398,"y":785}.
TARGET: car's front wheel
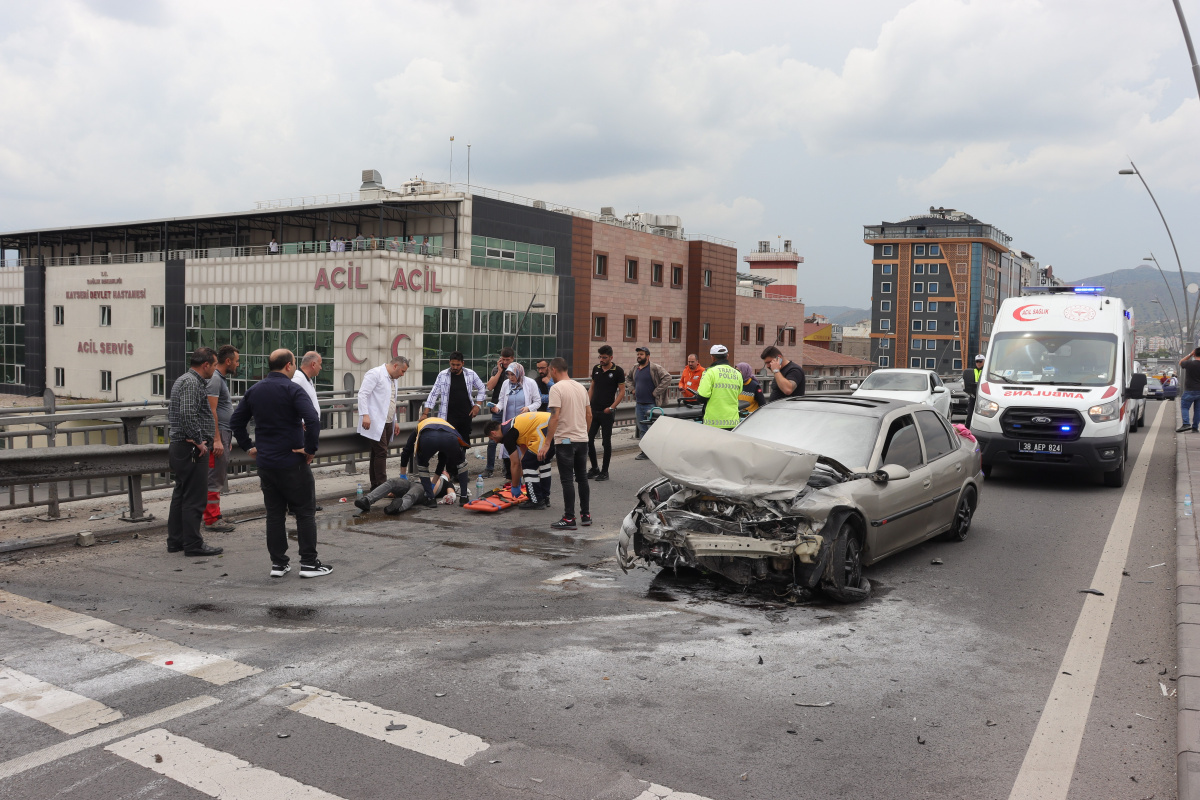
{"x":963,"y":515}
{"x":846,"y":583}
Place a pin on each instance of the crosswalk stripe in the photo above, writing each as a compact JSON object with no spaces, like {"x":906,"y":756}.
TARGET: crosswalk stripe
{"x":420,"y":736}
{"x":134,"y":644}
{"x":59,"y":708}
{"x":213,"y":772}
{"x":116,"y":731}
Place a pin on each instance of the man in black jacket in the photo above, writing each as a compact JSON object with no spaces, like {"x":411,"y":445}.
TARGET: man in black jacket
{"x":971,"y":378}
{"x":283,"y":449}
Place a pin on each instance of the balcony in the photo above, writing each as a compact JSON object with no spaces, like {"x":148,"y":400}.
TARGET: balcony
{"x":952,"y":231}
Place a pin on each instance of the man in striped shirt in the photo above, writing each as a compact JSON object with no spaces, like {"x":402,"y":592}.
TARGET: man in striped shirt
{"x":191,"y":424}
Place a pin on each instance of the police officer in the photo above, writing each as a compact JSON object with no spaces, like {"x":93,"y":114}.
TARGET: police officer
{"x":971,"y":378}
{"x":719,"y":388}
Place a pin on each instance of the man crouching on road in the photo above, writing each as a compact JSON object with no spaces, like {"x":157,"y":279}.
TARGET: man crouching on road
{"x":437,"y":437}
{"x":523,"y":441}
{"x":284,"y":449}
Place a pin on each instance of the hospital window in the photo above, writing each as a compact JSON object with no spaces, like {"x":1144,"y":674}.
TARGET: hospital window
{"x":885,"y":305}
{"x":915,"y":362}
{"x":918,"y":305}
{"x":918,"y":249}
{"x":931,"y":363}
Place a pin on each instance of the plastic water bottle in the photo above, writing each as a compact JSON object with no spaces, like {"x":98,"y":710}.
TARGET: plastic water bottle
{"x":479,"y":486}
{"x":1187,"y":505}
{"x":359,"y":493}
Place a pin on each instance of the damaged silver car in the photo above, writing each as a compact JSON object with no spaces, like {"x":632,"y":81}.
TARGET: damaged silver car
{"x":804,"y":493}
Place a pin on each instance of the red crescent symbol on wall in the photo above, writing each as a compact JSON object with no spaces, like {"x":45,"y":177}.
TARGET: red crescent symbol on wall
{"x":396,"y":343}
{"x":350,"y":348}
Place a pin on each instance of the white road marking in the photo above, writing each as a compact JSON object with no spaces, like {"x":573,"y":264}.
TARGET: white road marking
{"x":421,"y":736}
{"x":656,"y":792}
{"x":213,"y":772}
{"x":59,"y":708}
{"x":135,"y":644}
{"x":88,"y":740}
{"x":1050,"y":761}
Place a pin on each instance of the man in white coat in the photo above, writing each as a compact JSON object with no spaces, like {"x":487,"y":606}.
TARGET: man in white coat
{"x":310,"y":366}
{"x":377,"y":412}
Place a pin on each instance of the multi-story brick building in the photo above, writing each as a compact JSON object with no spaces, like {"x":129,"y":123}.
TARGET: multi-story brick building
{"x":937,"y":281}
{"x":110,"y":310}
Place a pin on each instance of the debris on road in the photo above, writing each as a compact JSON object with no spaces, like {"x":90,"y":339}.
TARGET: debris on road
{"x":568,"y":706}
{"x":439,"y":694}
{"x":920,"y":740}
{"x":399,"y":726}
{"x":1125,"y":572}
{"x":792,"y":732}
{"x":760,"y":659}
{"x":1143,"y":716}
{"x":745,"y":776}
{"x":826,"y":704}
{"x":282,"y":735}
{"x":745,"y":631}
{"x":1096,"y":592}
{"x":1163,"y":686}
{"x":1141,"y":660}
{"x":991,"y":724}
{"x":157,"y":758}
{"x":937,"y":562}
{"x":1163,"y":564}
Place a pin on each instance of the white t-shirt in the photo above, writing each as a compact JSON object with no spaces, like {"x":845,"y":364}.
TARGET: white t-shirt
{"x":308,"y":387}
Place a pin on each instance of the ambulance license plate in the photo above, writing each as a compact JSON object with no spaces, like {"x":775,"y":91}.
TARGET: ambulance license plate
{"x":1040,"y":447}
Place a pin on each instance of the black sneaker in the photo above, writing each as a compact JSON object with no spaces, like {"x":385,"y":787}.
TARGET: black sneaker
{"x":564,"y":524}
{"x":204,"y":550}
{"x":531,"y":505}
{"x":1183,"y":428}
{"x":603,"y":476}
{"x":585,"y":519}
{"x":487,"y":473}
{"x":314,"y":570}
{"x":642,"y":457}
{"x":364,"y":504}
{"x":279,"y":570}
{"x":463,"y":500}
{"x":593,"y":472}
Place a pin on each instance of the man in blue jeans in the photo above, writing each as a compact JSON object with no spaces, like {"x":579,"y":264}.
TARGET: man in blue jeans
{"x":1190,"y":401}
{"x":286,"y":429}
{"x":648,"y":383}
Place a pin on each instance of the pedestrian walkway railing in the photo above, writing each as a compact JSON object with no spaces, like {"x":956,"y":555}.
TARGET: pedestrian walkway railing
{"x":390,"y":244}
{"x":60,"y":453}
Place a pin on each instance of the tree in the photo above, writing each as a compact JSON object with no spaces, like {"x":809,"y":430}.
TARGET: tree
{"x":1161,"y":353}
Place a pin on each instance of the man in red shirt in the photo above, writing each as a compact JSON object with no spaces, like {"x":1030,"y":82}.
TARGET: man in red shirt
{"x":689,"y":380}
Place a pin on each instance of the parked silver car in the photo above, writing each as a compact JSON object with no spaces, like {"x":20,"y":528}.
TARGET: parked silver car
{"x":805,"y":492}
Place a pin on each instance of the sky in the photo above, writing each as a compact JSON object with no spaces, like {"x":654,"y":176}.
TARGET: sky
{"x":752,"y":121}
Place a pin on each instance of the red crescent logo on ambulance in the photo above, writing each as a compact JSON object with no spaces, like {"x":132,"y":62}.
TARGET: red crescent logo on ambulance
{"x":1030,"y":312}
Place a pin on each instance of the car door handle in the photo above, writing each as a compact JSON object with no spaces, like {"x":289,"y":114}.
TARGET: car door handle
{"x":926,"y":483}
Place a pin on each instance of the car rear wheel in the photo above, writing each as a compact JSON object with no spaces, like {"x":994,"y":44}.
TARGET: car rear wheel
{"x":846,"y":583}
{"x":963,"y":515}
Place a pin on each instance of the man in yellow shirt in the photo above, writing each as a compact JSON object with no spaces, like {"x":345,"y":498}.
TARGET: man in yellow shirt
{"x":523,"y":441}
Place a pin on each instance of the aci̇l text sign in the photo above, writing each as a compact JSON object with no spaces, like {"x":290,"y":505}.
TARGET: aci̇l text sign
{"x":351,"y":277}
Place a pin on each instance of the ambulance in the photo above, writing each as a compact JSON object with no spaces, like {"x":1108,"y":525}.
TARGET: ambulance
{"x":1053,"y":389}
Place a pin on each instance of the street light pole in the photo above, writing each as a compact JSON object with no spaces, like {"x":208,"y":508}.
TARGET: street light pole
{"x":1187,"y":38}
{"x":1178,"y":319}
{"x":1191,"y":327}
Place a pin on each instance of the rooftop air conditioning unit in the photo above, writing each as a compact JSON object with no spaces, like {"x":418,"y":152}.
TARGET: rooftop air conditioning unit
{"x":371,"y":179}
{"x":539,"y":203}
{"x":764,"y":246}
{"x":607,"y":211}
{"x":787,"y":245}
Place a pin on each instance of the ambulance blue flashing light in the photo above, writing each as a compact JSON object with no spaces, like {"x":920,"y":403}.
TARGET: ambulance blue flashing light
{"x":1089,"y":289}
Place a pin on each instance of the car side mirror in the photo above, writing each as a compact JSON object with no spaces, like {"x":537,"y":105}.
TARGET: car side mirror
{"x":939,"y":390}
{"x":854,"y":386}
{"x":893,"y":472}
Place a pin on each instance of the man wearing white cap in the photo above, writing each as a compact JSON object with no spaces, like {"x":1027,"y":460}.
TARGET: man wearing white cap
{"x":971,"y":378}
{"x":719,"y":389}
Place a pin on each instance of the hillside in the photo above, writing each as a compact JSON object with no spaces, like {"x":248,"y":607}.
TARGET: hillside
{"x":839,"y":315}
{"x":1139,"y":287}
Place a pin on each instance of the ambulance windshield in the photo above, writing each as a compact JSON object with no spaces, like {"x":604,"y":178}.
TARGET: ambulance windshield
{"x":1081,"y":359}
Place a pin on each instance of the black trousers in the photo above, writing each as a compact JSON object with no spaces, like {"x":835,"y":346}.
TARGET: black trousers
{"x":462,"y":424}
{"x":971,"y":400}
{"x":572,"y":469}
{"x":379,"y":455}
{"x":601,"y":421}
{"x":188,"y":498}
{"x":294,"y":488}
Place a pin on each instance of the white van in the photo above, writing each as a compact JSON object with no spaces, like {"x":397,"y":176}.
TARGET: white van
{"x":1053,"y":390}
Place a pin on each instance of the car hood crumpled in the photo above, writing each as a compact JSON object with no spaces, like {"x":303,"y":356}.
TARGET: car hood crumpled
{"x":724,"y":463}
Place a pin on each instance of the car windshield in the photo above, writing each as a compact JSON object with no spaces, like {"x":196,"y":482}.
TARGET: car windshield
{"x":1084,"y":359}
{"x":821,"y":429}
{"x":885,"y":381}
{"x":1154,"y":383}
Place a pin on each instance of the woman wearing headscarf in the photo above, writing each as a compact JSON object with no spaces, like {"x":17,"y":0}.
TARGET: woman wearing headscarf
{"x":751,"y":397}
{"x":518,"y":395}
